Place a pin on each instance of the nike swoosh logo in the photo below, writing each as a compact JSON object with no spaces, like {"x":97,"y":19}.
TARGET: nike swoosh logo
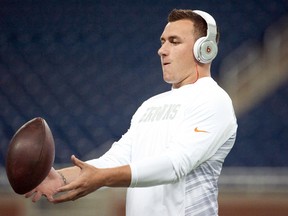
{"x":198,"y":130}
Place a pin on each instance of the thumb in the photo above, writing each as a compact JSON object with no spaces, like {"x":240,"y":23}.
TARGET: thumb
{"x":77,"y":162}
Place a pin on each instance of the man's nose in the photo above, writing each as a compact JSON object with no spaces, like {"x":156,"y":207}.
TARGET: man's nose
{"x":163,"y":51}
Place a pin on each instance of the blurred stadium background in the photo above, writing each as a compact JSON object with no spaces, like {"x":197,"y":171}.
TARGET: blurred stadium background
{"x":85,"y":66}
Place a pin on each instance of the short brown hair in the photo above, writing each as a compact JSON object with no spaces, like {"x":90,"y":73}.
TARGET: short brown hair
{"x":200,"y":24}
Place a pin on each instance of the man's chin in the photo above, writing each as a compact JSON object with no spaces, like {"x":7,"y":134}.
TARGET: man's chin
{"x":167,"y":79}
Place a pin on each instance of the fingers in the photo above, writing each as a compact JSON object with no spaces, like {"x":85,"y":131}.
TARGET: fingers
{"x":70,"y":192}
{"x":69,"y":196}
{"x":29,"y":194}
{"x":50,"y":198}
{"x":68,"y":187}
{"x":37,"y":196}
{"x":78,"y":162}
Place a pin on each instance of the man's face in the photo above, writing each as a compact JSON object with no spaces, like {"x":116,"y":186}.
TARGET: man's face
{"x":176,"y":53}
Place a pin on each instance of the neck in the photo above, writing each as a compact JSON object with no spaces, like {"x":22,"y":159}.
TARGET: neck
{"x":200,"y":71}
{"x":203,"y":70}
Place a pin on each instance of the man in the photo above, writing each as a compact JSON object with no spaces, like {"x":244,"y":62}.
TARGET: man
{"x":171,"y":157}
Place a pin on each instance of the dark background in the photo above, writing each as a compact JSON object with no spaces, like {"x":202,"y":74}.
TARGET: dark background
{"x":85,"y":66}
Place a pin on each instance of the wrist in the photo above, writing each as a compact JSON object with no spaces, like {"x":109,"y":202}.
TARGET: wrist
{"x":63,"y":178}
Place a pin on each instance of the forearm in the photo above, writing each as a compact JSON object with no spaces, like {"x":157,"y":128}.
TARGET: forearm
{"x":116,"y":177}
{"x":110,"y":177}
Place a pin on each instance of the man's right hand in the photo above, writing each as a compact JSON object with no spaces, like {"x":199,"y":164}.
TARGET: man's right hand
{"x":48,"y":187}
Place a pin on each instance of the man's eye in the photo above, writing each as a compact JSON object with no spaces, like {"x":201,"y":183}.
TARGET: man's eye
{"x":175,"y":42}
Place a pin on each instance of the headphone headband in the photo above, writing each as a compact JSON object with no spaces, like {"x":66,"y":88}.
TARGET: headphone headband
{"x":211,"y":24}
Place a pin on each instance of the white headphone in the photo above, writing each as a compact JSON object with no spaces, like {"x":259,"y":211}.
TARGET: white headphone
{"x":205,"y":48}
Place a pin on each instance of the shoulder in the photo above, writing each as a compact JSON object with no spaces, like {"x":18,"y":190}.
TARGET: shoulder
{"x":208,"y":97}
{"x":211,"y":91}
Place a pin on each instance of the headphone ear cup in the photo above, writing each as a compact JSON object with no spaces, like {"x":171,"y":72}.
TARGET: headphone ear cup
{"x":197,"y":48}
{"x":205,"y":50}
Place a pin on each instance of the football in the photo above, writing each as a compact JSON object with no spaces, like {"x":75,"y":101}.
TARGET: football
{"x":30,"y":155}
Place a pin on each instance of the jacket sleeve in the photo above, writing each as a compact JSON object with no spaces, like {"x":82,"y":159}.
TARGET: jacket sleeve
{"x":119,"y":154}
